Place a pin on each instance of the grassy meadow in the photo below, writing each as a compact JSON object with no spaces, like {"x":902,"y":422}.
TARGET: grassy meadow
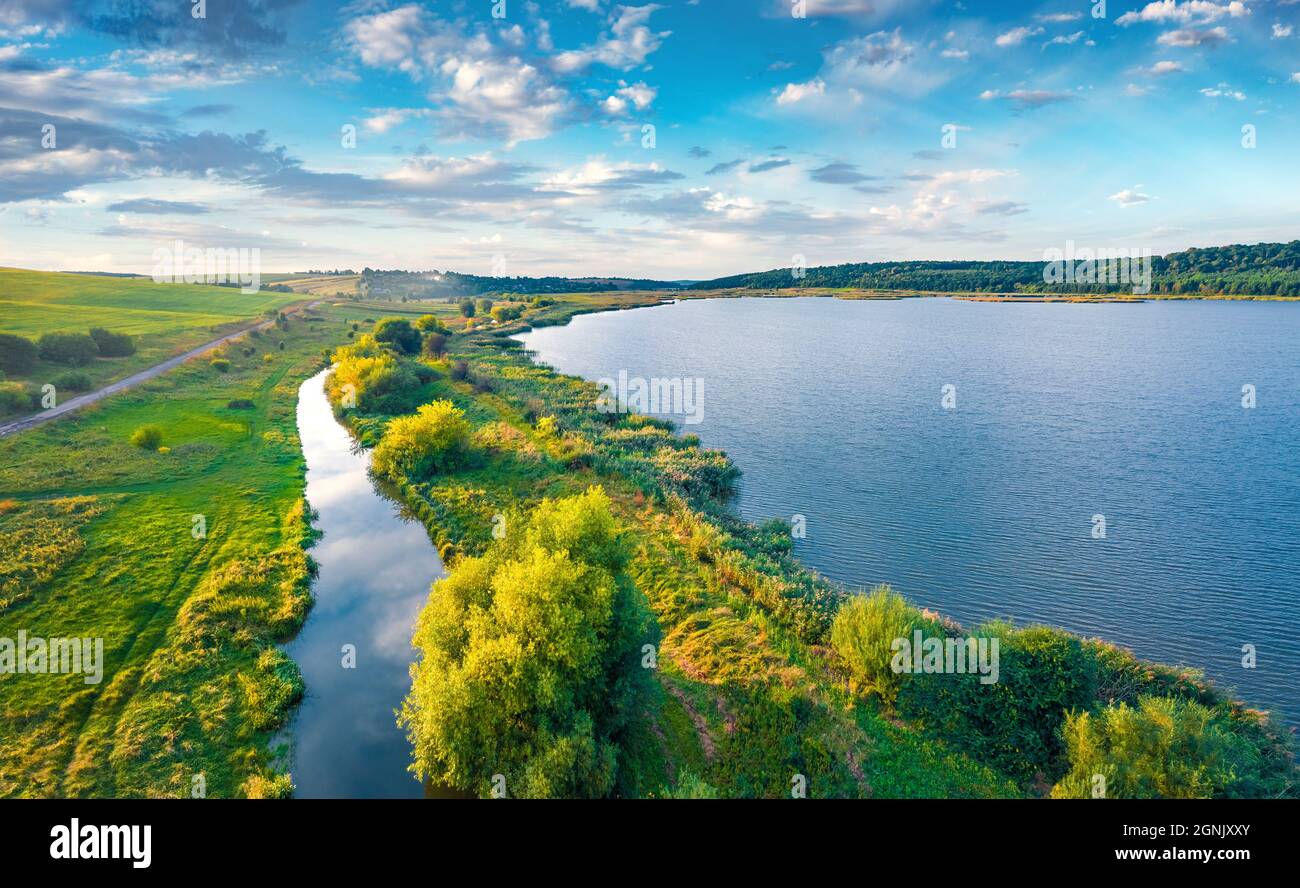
{"x":162,"y":319}
{"x":98,"y":539}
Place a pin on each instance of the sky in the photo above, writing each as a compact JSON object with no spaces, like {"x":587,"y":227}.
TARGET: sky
{"x":677,"y":140}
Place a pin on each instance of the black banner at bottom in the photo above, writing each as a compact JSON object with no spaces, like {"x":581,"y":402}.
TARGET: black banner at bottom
{"x":139,"y":839}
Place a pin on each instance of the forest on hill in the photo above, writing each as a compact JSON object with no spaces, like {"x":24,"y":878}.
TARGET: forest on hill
{"x":1239,"y":269}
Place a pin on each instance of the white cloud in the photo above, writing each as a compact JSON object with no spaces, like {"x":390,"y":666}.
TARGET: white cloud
{"x":1280,"y":30}
{"x":1199,"y":12}
{"x":1017,"y":36}
{"x":626,"y":46}
{"x":637,"y":95}
{"x":1130,"y":197}
{"x":960,"y":54}
{"x":1224,"y":91}
{"x":1189,"y":37}
{"x":797,"y":92}
{"x":1065,"y":39}
{"x":1161,"y":68}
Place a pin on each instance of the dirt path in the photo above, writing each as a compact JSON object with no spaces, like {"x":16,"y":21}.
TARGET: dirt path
{"x":68,"y":406}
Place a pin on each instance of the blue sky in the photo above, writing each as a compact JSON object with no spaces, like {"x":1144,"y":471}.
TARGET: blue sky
{"x":521,"y":142}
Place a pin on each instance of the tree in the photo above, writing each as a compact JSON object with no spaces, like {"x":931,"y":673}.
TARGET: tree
{"x":430,"y":324}
{"x":112,"y":345}
{"x":434,"y":440}
{"x":74,"y":349}
{"x":398,"y":333}
{"x":531,"y":663}
{"x":17,"y":354}
{"x":435,"y":345}
{"x":467,"y":308}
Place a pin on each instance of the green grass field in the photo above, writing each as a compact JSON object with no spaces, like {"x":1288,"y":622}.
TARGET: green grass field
{"x":164,"y":319}
{"x":96,"y":541}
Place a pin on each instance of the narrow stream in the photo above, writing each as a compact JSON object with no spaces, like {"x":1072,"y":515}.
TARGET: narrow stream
{"x":376,"y":565}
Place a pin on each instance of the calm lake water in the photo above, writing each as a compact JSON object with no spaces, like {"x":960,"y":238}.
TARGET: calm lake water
{"x":375,"y":571}
{"x":833,"y":411}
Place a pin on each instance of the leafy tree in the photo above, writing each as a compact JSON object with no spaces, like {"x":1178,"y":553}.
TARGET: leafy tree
{"x":17,"y":354}
{"x":112,"y":345}
{"x":398,"y":333}
{"x":434,"y":440}
{"x":531,"y":658}
{"x":430,"y":324}
{"x":1162,"y":748}
{"x":74,"y":349}
{"x":380,"y":384}
{"x":467,"y":308}
{"x":435,"y":345}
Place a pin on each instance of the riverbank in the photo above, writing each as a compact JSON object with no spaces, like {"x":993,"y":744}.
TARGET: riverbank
{"x":750,"y":693}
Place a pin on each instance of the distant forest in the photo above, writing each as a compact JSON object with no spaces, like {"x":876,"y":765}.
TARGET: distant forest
{"x":379,"y":284}
{"x":1258,"y":270}
{"x":1239,"y":270}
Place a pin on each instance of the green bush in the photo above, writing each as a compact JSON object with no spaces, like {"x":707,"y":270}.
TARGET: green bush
{"x":1015,"y":724}
{"x":434,"y":440}
{"x":863,"y":635}
{"x":1162,"y":748}
{"x":73,"y":349}
{"x":531,"y":658}
{"x":381,"y":384}
{"x":73,"y":381}
{"x":13,"y":398}
{"x":430,"y":324}
{"x":467,"y":308}
{"x":221,"y":365}
{"x":240,"y":404}
{"x":112,"y":345}
{"x":398,"y":333}
{"x":147,"y":437}
{"x":17,"y":354}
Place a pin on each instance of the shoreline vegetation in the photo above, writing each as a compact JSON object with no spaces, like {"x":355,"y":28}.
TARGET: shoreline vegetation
{"x":610,"y":627}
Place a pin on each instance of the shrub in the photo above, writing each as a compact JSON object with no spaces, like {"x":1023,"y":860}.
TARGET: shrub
{"x":240,"y":404}
{"x":73,"y":349}
{"x":221,"y":365}
{"x":268,"y":358}
{"x":147,"y":437}
{"x":398,"y":333}
{"x":380,"y":384}
{"x":863,"y":635}
{"x":281,"y":345}
{"x":460,"y":371}
{"x":430,"y":324}
{"x":112,"y":345}
{"x":13,"y":398}
{"x":73,"y":381}
{"x":17,"y":354}
{"x":433,"y":440}
{"x":1162,"y":748}
{"x":467,"y":308}
{"x":531,"y":658}
{"x":1015,"y":724}
{"x":435,"y":345}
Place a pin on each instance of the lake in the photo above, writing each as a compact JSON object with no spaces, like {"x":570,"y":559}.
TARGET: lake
{"x":1094,"y":467}
{"x":376,"y":565}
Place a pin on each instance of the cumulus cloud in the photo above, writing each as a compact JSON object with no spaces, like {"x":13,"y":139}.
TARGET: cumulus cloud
{"x":637,"y":95}
{"x":1192,"y":37}
{"x":1017,"y":36}
{"x":1130,"y":197}
{"x":1163,"y":68}
{"x":479,"y":87}
{"x":1223,"y":91}
{"x":625,"y":46}
{"x":1198,"y":12}
{"x":797,"y":92}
